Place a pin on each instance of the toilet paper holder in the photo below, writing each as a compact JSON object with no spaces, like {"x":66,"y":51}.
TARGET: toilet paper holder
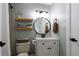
{"x":34,"y":42}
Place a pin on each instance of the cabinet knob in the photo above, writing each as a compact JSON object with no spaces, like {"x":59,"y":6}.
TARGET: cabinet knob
{"x":54,"y":42}
{"x":43,"y":43}
{"x":49,"y":48}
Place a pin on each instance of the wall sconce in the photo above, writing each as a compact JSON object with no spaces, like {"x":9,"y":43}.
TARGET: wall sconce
{"x":46,"y":12}
{"x":41,"y":11}
{"x":36,"y":11}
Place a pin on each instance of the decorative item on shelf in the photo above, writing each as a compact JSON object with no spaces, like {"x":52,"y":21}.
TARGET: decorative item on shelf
{"x":18,"y":14}
{"x":22,"y":25}
{"x":28,"y":25}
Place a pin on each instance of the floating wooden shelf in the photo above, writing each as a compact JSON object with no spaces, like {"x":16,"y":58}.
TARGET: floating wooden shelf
{"x":24,"y":19}
{"x":27,"y":28}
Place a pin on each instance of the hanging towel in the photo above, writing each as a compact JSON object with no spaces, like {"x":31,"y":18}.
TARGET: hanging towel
{"x":55,"y":27}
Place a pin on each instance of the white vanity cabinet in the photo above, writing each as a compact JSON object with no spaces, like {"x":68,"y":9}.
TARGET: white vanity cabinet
{"x":47,"y":47}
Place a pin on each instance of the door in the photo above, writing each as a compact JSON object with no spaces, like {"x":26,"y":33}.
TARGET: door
{"x":0,"y":25}
{"x":4,"y":30}
{"x":74,"y":42}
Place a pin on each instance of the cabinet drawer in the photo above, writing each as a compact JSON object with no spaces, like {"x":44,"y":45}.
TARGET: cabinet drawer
{"x":46,"y":43}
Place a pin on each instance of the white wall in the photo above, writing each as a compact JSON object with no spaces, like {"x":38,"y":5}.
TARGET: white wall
{"x":58,"y":10}
{"x":68,"y":26}
{"x":5,"y":30}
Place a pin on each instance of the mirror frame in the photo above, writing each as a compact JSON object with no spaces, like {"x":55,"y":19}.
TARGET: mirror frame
{"x":35,"y":29}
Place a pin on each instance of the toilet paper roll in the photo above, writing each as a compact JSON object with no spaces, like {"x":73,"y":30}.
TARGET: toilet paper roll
{"x":34,"y":42}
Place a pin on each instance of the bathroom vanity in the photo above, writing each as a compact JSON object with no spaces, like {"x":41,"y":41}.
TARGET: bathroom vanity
{"x":47,"y":46}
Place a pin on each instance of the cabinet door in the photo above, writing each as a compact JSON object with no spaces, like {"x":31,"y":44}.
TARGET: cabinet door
{"x":42,"y":51}
{"x":54,"y":49}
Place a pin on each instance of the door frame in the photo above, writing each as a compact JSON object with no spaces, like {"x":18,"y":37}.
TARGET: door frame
{"x":8,"y":30}
{"x":68,"y":29}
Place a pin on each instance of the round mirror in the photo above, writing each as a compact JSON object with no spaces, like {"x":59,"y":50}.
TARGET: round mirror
{"x":42,"y":25}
